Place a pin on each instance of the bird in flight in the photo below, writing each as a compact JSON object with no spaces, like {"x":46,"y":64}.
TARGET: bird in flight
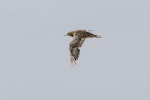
{"x":79,"y":37}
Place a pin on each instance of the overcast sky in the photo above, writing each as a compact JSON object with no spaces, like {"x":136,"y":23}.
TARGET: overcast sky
{"x":34,"y":54}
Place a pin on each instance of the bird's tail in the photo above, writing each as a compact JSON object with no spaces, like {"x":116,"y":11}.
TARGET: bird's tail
{"x":90,"y":35}
{"x":98,"y":36}
{"x":73,"y":61}
{"x":94,"y":36}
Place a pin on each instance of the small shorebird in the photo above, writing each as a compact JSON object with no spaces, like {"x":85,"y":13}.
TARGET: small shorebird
{"x":79,"y":37}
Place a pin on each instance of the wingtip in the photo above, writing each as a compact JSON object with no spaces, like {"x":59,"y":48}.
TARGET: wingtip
{"x":73,"y":62}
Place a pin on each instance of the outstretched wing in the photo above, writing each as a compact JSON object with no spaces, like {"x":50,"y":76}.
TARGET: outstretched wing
{"x":75,"y":44}
{"x":81,"y":42}
{"x":74,"y":54}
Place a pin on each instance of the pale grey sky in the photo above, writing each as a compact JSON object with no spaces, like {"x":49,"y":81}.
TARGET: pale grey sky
{"x":34,"y":54}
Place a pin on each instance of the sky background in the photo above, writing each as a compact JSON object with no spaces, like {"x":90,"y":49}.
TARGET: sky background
{"x":34,"y":54}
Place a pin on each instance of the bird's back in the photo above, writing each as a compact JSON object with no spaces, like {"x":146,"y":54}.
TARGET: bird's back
{"x":84,"y":34}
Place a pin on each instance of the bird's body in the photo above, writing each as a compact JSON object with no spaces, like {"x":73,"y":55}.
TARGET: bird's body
{"x":79,"y":37}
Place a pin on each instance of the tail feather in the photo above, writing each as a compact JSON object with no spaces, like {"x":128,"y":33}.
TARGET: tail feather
{"x":90,"y":35}
{"x":98,"y":36}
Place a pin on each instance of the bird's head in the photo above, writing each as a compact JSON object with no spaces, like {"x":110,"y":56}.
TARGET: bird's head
{"x":69,"y":34}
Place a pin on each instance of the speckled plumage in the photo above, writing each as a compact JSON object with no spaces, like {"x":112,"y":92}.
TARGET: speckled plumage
{"x":79,"y":37}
